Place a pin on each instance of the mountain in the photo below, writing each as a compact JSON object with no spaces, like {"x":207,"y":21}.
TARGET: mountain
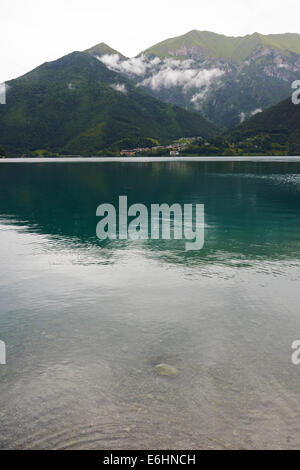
{"x":197,"y":44}
{"x":76,"y":105}
{"x":226,"y":79}
{"x":103,"y":49}
{"x":277,"y":128}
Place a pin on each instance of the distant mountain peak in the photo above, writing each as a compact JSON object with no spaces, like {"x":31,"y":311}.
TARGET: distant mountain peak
{"x":210,"y":44}
{"x":103,"y":49}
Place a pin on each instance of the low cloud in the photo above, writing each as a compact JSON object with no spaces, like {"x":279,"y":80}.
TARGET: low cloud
{"x":256,"y":111}
{"x":186,"y":78}
{"x":119,"y":87}
{"x":242,"y":117}
{"x":163,"y":73}
{"x":198,"y":97}
{"x":135,"y":66}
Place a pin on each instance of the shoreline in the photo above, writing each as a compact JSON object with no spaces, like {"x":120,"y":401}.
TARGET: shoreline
{"x":270,"y":159}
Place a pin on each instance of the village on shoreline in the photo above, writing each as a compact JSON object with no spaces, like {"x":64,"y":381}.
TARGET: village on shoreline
{"x":173,"y":149}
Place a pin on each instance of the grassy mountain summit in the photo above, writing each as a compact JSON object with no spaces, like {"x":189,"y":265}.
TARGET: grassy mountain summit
{"x":225,"y":79}
{"x":206,"y":43}
{"x":76,"y":105}
{"x":103,"y":49}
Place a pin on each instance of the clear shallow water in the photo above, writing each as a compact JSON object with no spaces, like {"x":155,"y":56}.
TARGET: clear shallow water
{"x":85,"y":322}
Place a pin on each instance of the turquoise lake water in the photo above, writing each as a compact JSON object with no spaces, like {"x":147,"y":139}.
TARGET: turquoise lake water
{"x":85,"y":322}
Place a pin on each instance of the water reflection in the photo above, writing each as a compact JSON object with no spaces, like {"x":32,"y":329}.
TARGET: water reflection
{"x":251,"y":209}
{"x":85,"y":324}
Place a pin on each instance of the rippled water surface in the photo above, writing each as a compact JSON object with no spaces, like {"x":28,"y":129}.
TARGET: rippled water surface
{"x":85,"y":323}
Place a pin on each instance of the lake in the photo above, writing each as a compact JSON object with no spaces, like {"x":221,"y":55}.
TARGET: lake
{"x":85,"y":322}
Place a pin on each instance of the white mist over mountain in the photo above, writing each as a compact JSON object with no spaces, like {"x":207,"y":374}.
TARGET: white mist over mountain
{"x":134,"y":66}
{"x":164,"y":73}
{"x":187,"y":79}
{"x":119,"y":87}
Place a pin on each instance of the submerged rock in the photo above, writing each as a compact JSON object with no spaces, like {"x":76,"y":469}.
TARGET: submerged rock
{"x":166,"y":369}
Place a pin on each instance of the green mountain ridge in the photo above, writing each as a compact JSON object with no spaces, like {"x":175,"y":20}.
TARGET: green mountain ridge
{"x":235,"y":48}
{"x":220,"y":46}
{"x":278,"y":126}
{"x":225,"y":79}
{"x":76,"y":105}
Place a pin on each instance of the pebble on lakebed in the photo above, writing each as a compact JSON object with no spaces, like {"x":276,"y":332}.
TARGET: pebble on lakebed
{"x":165,"y":369}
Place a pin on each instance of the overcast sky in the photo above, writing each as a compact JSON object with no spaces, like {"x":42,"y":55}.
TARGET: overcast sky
{"x":35,"y":31}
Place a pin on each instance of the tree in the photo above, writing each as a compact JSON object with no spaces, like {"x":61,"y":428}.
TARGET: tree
{"x":3,"y":152}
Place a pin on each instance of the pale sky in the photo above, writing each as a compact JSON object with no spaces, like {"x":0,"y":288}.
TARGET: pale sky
{"x":36,"y":31}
